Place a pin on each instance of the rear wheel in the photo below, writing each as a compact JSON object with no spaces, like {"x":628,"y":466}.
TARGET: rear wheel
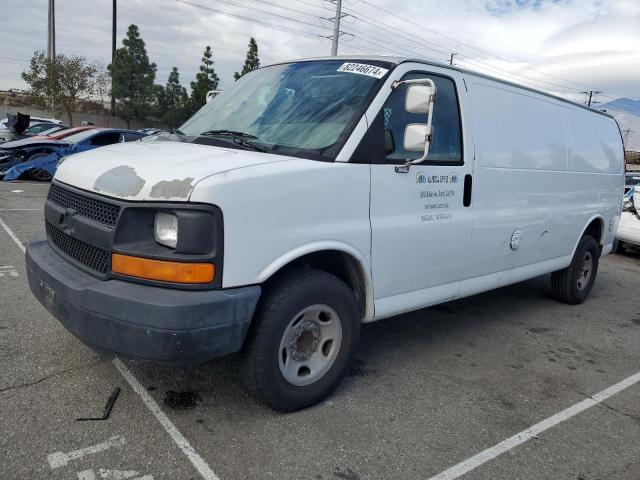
{"x":573,"y":284}
{"x":302,"y":340}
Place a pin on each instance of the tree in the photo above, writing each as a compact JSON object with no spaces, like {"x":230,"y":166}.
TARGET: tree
{"x":176,"y":100}
{"x":59,"y":85}
{"x":206,"y":80}
{"x":133,"y":77}
{"x":251,"y":62}
{"x":159,"y":101}
{"x":102,"y":84}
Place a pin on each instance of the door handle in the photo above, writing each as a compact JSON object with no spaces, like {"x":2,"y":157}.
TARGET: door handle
{"x":468,"y":184}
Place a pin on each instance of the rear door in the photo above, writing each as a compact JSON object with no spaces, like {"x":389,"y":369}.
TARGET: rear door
{"x":420,"y":220}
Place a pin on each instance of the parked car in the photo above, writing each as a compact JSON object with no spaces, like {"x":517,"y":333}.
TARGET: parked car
{"x":629,"y":227}
{"x":38,"y":159}
{"x":44,"y":129}
{"x":314,"y":196}
{"x":9,"y":134}
{"x":57,"y":135}
{"x":32,"y":121}
{"x":631,"y":180}
{"x":60,"y":134}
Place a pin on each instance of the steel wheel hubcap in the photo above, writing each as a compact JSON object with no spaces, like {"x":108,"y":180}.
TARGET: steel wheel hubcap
{"x":586,"y":269}
{"x":310,"y":345}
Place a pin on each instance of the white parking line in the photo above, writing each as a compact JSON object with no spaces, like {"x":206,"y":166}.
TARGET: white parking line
{"x":12,"y":235}
{"x":198,"y":462}
{"x":466,"y":466}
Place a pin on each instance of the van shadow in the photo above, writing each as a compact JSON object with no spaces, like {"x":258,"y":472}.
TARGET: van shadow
{"x":216,"y":383}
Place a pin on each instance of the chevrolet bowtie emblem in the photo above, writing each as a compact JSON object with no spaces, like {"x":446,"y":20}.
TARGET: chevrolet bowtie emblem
{"x":67,"y":220}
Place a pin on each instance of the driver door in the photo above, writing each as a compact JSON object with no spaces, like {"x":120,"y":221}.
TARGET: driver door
{"x":420,"y":219}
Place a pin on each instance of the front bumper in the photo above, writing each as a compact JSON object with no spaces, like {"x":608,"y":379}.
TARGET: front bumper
{"x":177,"y":327}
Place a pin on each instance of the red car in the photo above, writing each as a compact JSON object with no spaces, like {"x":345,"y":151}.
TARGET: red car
{"x":63,"y":133}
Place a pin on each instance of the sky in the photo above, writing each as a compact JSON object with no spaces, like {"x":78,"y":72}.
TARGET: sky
{"x":561,"y":46}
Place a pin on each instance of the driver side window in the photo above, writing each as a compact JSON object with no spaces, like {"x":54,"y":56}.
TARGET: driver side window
{"x":446,"y":145}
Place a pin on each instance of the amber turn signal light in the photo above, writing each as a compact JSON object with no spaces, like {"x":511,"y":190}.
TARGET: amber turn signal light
{"x":164,"y":271}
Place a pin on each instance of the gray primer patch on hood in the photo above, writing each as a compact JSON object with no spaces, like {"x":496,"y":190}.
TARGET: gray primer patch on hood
{"x":121,"y":181}
{"x":172,"y":189}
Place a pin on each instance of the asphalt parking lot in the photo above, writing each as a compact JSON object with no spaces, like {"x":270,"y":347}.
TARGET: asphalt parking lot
{"x":429,"y":391}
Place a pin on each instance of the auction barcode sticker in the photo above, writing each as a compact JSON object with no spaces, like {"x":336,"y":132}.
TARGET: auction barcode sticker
{"x":363,"y":69}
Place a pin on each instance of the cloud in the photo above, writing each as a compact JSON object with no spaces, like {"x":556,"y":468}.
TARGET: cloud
{"x":564,"y":46}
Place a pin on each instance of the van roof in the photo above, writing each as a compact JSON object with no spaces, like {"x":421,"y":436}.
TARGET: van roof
{"x":399,"y":60}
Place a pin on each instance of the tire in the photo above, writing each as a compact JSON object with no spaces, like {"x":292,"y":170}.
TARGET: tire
{"x":38,"y":173}
{"x":305,"y":317}
{"x":573,"y":284}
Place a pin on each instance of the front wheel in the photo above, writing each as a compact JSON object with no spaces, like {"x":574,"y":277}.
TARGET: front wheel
{"x":573,"y":284}
{"x":38,"y":174}
{"x":302,"y":340}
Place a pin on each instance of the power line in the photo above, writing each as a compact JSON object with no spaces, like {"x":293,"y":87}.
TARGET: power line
{"x":415,"y":38}
{"x":422,"y":27}
{"x":323,"y":7}
{"x":295,"y":10}
{"x":378,"y":25}
{"x":267,"y":12}
{"x":268,"y":25}
{"x":280,"y":27}
{"x":572,"y":94}
{"x":382,"y":45}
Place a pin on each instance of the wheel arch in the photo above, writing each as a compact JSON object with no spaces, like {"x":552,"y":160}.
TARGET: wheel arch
{"x":594,"y":228}
{"x":340,"y":259}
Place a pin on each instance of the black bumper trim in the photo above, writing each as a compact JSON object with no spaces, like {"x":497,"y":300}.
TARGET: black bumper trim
{"x":177,"y":327}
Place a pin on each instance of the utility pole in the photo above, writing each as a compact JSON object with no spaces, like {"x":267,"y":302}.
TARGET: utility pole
{"x":51,"y":32}
{"x":592,"y":94}
{"x":453,"y":54}
{"x":625,"y":137}
{"x":336,"y":29}
{"x":113,"y":54}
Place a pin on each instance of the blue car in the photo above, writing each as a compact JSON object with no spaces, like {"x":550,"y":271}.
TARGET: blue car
{"x":39,"y":159}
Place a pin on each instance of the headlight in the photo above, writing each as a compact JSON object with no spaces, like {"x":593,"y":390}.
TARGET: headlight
{"x":166,"y":229}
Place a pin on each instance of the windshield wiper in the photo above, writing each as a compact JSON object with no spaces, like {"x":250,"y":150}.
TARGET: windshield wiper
{"x":239,"y":138}
{"x":229,"y":133}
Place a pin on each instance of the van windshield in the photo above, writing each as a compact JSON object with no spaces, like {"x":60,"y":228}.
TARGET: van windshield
{"x":305,"y":109}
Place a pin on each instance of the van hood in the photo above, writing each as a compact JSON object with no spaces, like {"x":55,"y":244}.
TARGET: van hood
{"x":157,"y":171}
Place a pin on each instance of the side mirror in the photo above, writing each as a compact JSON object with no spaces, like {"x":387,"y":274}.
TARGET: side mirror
{"x":419,"y":99}
{"x":417,"y":137}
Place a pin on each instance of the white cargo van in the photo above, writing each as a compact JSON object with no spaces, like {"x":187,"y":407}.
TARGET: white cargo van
{"x":317,"y":195}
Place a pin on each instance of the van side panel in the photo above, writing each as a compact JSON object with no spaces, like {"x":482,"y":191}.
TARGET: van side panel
{"x":544,"y":168}
{"x":517,"y":130}
{"x":599,"y":153}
